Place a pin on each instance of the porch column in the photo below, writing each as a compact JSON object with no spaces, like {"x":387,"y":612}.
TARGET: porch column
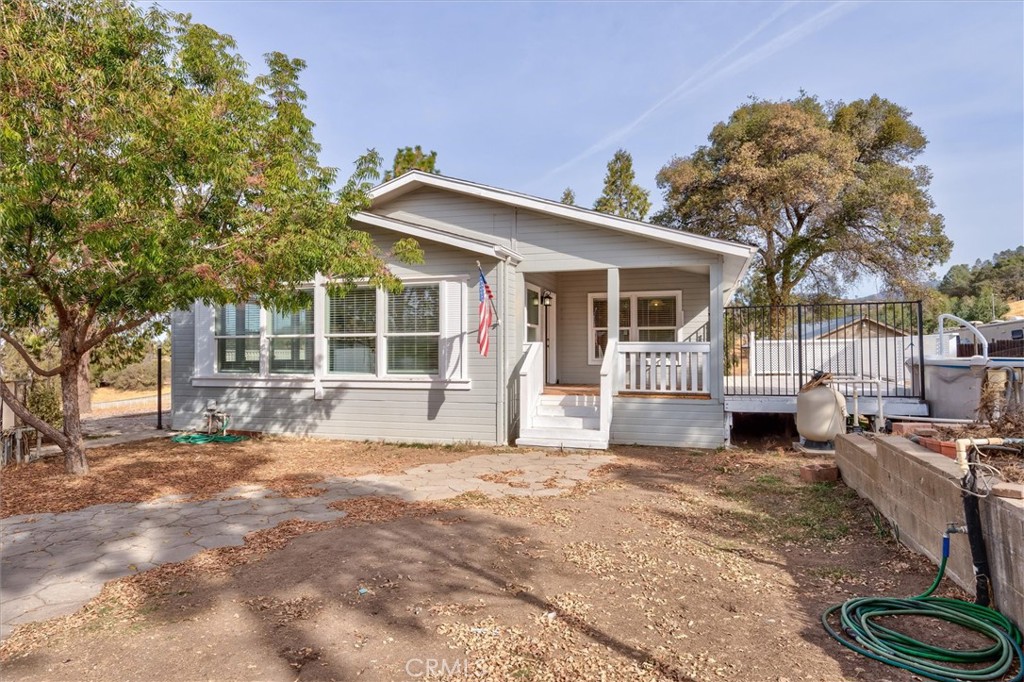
{"x":716,"y":322}
{"x":613,"y":304}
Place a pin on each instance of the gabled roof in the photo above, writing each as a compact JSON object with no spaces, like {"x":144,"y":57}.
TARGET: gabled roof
{"x":814,"y":330}
{"x":736,"y":256}
{"x":476,"y":242}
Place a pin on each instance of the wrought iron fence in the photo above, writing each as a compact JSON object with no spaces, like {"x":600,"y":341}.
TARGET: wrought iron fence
{"x":773,"y":351}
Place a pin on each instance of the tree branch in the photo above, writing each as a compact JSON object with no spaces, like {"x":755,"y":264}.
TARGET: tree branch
{"x":27,"y":357}
{"x":35,"y":422}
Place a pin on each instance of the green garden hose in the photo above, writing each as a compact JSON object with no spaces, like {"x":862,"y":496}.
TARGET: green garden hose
{"x":221,"y":436}
{"x":857,"y":618}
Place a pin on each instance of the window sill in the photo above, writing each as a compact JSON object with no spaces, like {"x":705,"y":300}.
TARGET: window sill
{"x":309,"y":382}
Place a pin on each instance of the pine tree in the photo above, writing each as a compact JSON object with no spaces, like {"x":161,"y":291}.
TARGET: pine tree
{"x":568,"y":197}
{"x":622,"y":196}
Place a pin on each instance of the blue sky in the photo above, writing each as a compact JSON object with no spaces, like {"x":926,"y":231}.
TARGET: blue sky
{"x":536,"y":97}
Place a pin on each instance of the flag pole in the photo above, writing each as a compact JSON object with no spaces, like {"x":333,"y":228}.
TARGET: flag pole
{"x":494,"y":309}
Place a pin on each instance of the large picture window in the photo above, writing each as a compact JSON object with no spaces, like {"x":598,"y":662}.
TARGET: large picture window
{"x":654,"y":316}
{"x":366,"y":335}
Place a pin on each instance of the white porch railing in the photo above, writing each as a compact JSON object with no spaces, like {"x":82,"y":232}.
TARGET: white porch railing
{"x":531,"y":383}
{"x":669,"y":368}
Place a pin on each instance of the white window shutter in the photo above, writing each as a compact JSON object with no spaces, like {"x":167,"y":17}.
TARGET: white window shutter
{"x":205,"y":344}
{"x":453,"y":341}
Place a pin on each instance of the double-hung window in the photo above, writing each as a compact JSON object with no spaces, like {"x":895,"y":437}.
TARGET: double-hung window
{"x":652,"y":316}
{"x":291,"y":338}
{"x":414,"y":330}
{"x":407,"y":325}
{"x":237,"y":333}
{"x":352,"y":332}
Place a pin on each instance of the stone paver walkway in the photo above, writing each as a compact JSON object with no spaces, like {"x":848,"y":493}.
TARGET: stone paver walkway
{"x":52,"y":564}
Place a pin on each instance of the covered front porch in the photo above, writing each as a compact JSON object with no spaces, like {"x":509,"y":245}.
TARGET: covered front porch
{"x":649,"y":374}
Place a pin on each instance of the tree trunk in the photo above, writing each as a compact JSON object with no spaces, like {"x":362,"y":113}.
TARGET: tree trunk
{"x":85,"y":387}
{"x":74,"y":453}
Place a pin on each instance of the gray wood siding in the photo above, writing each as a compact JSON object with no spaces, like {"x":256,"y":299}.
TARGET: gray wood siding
{"x":547,"y":243}
{"x":668,"y":422}
{"x":420,"y":415}
{"x":572,"y":290}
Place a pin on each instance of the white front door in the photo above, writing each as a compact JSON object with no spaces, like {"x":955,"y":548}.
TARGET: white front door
{"x":541,"y":327}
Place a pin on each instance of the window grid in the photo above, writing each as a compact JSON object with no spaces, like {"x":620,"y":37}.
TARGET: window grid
{"x":291,"y":339}
{"x":630,"y":316}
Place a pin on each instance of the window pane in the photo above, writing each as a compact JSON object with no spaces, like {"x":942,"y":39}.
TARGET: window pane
{"x":242,"y":319}
{"x":291,"y":356}
{"x":656,"y":312}
{"x":238,"y":355}
{"x":600,"y":313}
{"x":352,"y":356}
{"x":412,"y":355}
{"x":659,"y":335}
{"x":600,"y":341}
{"x":298,"y":322}
{"x":355,"y":313}
{"x":414,"y":310}
{"x":532,"y":307}
{"x":532,"y":334}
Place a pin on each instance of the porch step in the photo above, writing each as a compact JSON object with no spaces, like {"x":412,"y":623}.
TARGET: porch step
{"x":546,"y":410}
{"x":571,"y":400}
{"x":590,"y":421}
{"x":585,"y":439}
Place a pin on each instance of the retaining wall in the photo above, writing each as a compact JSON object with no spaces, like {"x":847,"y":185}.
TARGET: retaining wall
{"x":918,"y":491}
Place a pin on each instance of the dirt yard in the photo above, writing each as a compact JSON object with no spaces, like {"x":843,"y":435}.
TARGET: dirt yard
{"x":668,"y":565}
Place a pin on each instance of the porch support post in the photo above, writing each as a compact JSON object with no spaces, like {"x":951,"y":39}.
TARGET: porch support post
{"x":613,"y":304}
{"x":716,"y":323}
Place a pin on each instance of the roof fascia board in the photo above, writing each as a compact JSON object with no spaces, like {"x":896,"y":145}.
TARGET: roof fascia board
{"x":419,"y":231}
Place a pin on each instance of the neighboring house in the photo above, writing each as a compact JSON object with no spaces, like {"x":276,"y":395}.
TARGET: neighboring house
{"x":853,"y":327}
{"x":560,"y":371}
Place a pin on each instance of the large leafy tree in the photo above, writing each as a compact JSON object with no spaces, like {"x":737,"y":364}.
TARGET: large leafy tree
{"x":621,"y":195}
{"x":981,"y":291}
{"x":826,"y":194}
{"x":143,"y":169}
{"x":412,"y":158}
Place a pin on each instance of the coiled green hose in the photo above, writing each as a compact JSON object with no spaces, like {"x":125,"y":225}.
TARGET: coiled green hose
{"x":857,"y":617}
{"x":202,"y":438}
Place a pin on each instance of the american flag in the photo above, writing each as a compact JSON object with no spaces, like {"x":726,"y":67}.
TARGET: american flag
{"x":486,"y":317}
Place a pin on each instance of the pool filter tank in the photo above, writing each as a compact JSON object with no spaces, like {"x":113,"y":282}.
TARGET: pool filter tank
{"x":820,"y":414}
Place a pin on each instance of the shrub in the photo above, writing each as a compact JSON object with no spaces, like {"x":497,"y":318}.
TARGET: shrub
{"x":44,"y":402}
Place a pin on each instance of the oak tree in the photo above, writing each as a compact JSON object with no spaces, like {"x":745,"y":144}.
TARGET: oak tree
{"x":827,"y":194}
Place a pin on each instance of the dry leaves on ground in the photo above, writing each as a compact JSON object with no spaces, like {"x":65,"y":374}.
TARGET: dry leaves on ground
{"x":141,"y":471}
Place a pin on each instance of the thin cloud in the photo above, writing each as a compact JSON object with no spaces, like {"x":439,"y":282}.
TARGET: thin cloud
{"x":709,"y":72}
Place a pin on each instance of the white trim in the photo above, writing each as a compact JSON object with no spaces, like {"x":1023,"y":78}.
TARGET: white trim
{"x":633,"y":313}
{"x":308,"y":382}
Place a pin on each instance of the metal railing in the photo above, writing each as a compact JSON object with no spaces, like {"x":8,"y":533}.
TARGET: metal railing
{"x":774,"y":350}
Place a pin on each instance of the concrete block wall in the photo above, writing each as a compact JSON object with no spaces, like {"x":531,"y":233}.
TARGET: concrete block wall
{"x":918,"y":491}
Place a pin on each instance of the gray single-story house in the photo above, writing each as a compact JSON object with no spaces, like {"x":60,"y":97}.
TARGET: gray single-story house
{"x":560,"y":371}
